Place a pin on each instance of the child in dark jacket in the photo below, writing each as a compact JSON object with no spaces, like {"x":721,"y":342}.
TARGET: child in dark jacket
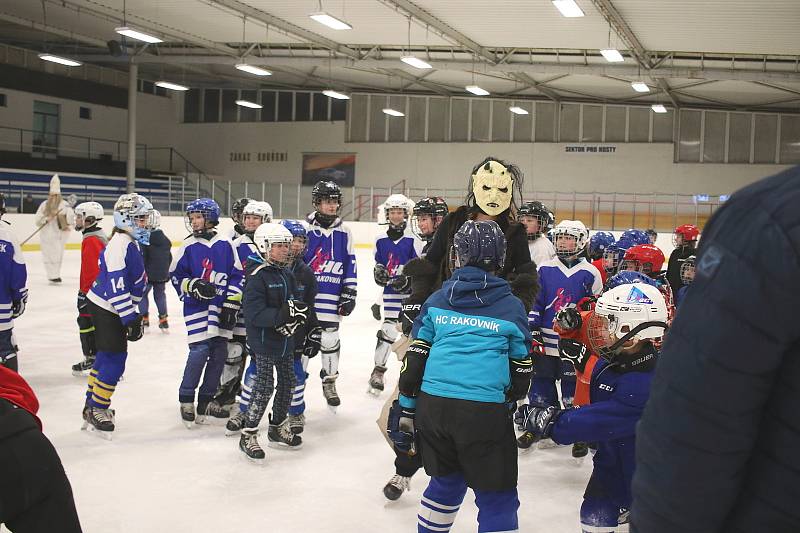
{"x":157,"y":259}
{"x":273,"y":314}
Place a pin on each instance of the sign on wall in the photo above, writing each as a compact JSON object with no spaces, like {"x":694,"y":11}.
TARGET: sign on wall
{"x":339,"y":168}
{"x":590,"y":149}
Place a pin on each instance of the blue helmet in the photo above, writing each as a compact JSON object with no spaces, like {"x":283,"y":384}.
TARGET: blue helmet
{"x":480,"y":243}
{"x":636,"y":236}
{"x":628,"y":277}
{"x":599,"y":242}
{"x":206,"y":207}
{"x":297,"y":229}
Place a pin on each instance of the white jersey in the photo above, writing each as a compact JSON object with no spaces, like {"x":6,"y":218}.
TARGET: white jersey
{"x":542,"y":250}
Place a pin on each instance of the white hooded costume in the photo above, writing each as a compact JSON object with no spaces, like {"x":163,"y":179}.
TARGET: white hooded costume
{"x":58,"y":218}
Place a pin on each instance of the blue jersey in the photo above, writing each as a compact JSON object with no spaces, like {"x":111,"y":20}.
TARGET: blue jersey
{"x":394,"y":254}
{"x":617,"y":402}
{"x":212,"y":260}
{"x":561,"y":285}
{"x":330,"y":256}
{"x":245,"y":247}
{"x":121,"y":281}
{"x":475,"y":325}
{"x":13,"y":277}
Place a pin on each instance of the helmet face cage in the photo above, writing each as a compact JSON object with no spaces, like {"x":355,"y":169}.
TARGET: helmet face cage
{"x":134,"y":214}
{"x":579,"y":234}
{"x":431,"y":208}
{"x":688,"y":270}
{"x":685,"y":234}
{"x":206,"y":207}
{"x":396,"y":201}
{"x":611,"y":258}
{"x":598,"y":244}
{"x":298,"y":231}
{"x":544,"y":217}
{"x":268,"y":235}
{"x":644,"y":258}
{"x":238,"y":208}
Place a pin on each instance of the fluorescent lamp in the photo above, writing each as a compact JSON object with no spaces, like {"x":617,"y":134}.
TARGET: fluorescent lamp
{"x":330,"y":21}
{"x":518,"y":110}
{"x":640,"y":87}
{"x":658,"y":108}
{"x":138,"y":35}
{"x":335,"y":94}
{"x":612,"y":55}
{"x":415,"y":62}
{"x":172,"y":86}
{"x":252,"y":69}
{"x":247,"y":103}
{"x":568,"y":8}
{"x":474,"y":89}
{"x":393,"y":112}
{"x":60,"y":60}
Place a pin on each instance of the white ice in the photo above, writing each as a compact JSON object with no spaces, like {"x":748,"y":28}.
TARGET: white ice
{"x":157,"y":476}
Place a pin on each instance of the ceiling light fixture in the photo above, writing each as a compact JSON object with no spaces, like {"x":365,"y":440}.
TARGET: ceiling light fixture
{"x":127,"y":31}
{"x":330,"y":93}
{"x":568,"y":8}
{"x":330,"y":21}
{"x":612,"y":55}
{"x":60,"y":60}
{"x":518,"y":110}
{"x":415,"y":62}
{"x":478,"y":91}
{"x":248,"y":103}
{"x":171,"y":86}
{"x":252,"y":69}
{"x":393,"y":112}
{"x":640,"y":87}
{"x":658,"y":108}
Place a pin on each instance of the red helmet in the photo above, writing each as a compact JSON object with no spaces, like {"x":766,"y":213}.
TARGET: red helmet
{"x":689,"y":233}
{"x":645,"y":258}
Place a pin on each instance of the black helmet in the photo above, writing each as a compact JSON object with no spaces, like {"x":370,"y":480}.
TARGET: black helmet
{"x":434,"y":207}
{"x":537,"y":209}
{"x":325,"y":190}
{"x":2,"y":204}
{"x":237,"y":208}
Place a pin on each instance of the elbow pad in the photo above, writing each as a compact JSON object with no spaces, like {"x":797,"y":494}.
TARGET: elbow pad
{"x":414,"y":368}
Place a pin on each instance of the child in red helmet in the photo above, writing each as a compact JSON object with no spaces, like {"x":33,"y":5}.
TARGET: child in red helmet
{"x":685,"y":240}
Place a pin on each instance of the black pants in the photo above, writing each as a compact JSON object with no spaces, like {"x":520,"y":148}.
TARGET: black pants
{"x":474,"y":438}
{"x":35,"y":494}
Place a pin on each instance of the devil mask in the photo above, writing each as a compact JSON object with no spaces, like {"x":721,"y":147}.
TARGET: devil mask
{"x":492,"y":186}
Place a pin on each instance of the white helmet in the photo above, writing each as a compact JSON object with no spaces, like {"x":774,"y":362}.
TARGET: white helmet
{"x":86,"y":211}
{"x":395,"y":201}
{"x":129,"y":210}
{"x":627,"y":313}
{"x":574,"y":228}
{"x":156,"y":219}
{"x":269,"y":234}
{"x":261,"y":209}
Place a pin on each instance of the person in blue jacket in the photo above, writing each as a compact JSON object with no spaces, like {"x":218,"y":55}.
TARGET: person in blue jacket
{"x":621,"y":330}
{"x":272,"y":315}
{"x":157,"y":259}
{"x":468,"y":363}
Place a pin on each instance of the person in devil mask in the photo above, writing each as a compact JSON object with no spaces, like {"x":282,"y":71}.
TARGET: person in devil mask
{"x":495,"y":192}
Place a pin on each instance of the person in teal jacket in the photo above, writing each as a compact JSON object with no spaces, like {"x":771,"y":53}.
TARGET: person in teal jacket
{"x":468,"y":364}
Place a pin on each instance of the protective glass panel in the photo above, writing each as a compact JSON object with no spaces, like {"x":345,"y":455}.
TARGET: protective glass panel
{"x":689,"y":146}
{"x":570,"y":115}
{"x":739,"y":138}
{"x":765,"y":138}
{"x":545,"y":122}
{"x":615,"y":124}
{"x":639,"y":124}
{"x":714,"y":137}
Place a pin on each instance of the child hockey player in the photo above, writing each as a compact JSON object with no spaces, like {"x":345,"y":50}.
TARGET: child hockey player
{"x":157,"y":259}
{"x":252,"y":215}
{"x":87,"y":218}
{"x":236,"y":215}
{"x":564,"y":280}
{"x":538,"y":221}
{"x":331,"y":258}
{"x":393,"y":249}
{"x":625,"y":323}
{"x":207,"y":275}
{"x":687,"y":277}
{"x":685,"y":240}
{"x":648,"y":259}
{"x":428,"y":213}
{"x":469,"y":361}
{"x":598,"y":243}
{"x":13,"y":292}
{"x":272,"y":315}
{"x":116,"y":291}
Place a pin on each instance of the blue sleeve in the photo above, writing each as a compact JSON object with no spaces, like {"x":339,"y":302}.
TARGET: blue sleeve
{"x":235,"y":277}
{"x":179,"y":271}
{"x":137,"y":275}
{"x":350,"y":263}
{"x":606,"y":420}
{"x":122,"y":284}
{"x":19,"y":274}
{"x":520,"y":338}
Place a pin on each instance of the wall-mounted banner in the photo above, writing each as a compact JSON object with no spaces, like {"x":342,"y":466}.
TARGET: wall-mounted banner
{"x":336,"y":167}
{"x":591,"y":149}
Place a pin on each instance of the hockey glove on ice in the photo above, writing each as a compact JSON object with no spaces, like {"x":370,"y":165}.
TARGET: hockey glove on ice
{"x":18,"y":307}
{"x":537,"y":420}
{"x":227,"y":317}
{"x":381,"y":274}
{"x":521,"y":372}
{"x":376,"y":311}
{"x":537,"y":343}
{"x":575,"y":352}
{"x":401,"y":283}
{"x":568,"y":318}
{"x":407,"y":316}
{"x":313,"y":342}
{"x":401,"y":428}
{"x":347,"y":301}
{"x":134,"y":330}
{"x":200,"y":289}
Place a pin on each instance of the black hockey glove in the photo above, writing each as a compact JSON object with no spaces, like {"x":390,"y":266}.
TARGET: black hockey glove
{"x":201,"y":289}
{"x":18,"y":307}
{"x":521,"y":372}
{"x":134,"y":330}
{"x":407,"y":316}
{"x":568,"y":318}
{"x":381,"y":274}
{"x":347,"y":301}
{"x":83,"y":301}
{"x":227,"y":317}
{"x":296,"y":313}
{"x":575,"y":352}
{"x":537,"y":420}
{"x":400,"y":283}
{"x":537,"y":343}
{"x":376,"y":311}
{"x":313,"y":342}
{"x":400,"y":427}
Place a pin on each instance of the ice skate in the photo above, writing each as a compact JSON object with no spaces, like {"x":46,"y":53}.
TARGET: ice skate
{"x":396,"y":487}
{"x":163,"y":324}
{"x":280,"y":436}
{"x":526,"y":440}
{"x":376,"y":380}
{"x":145,"y":321}
{"x":249,"y":445}
{"x":202,"y":414}
{"x":100,"y":421}
{"x":579,"y":452}
{"x":329,"y":391}
{"x":218,"y":411}
{"x":188,"y":414}
{"x":235,"y":424}
{"x":297,"y":423}
{"x":82,"y":369}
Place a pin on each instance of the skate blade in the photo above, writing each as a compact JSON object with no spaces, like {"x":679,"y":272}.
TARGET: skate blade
{"x":373,"y":391}
{"x":80,"y":373}
{"x":105,"y":435}
{"x":253,"y":460}
{"x":164,"y":331}
{"x":202,"y":420}
{"x":188,"y":423}
{"x":546,"y":444}
{"x":285,"y":447}
{"x":578,"y":461}
{"x":333,"y":408}
{"x":229,"y":433}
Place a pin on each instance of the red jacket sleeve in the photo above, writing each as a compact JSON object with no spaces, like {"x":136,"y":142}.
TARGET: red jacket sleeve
{"x":17,"y":391}
{"x":91,"y":248}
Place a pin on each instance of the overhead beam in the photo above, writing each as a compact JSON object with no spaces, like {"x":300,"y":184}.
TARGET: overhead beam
{"x":431,"y":86}
{"x":52,"y":30}
{"x":539,"y":86}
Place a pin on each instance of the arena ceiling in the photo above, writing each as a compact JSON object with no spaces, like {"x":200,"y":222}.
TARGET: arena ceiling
{"x":725,"y":54}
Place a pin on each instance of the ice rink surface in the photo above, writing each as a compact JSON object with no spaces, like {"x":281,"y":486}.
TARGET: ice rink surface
{"x":157,"y":476}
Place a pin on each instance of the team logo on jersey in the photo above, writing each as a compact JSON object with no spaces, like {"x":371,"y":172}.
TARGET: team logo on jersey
{"x":561,"y":300}
{"x":393,"y":264}
{"x":321,"y":263}
{"x":636,"y":296}
{"x":217,"y":278}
